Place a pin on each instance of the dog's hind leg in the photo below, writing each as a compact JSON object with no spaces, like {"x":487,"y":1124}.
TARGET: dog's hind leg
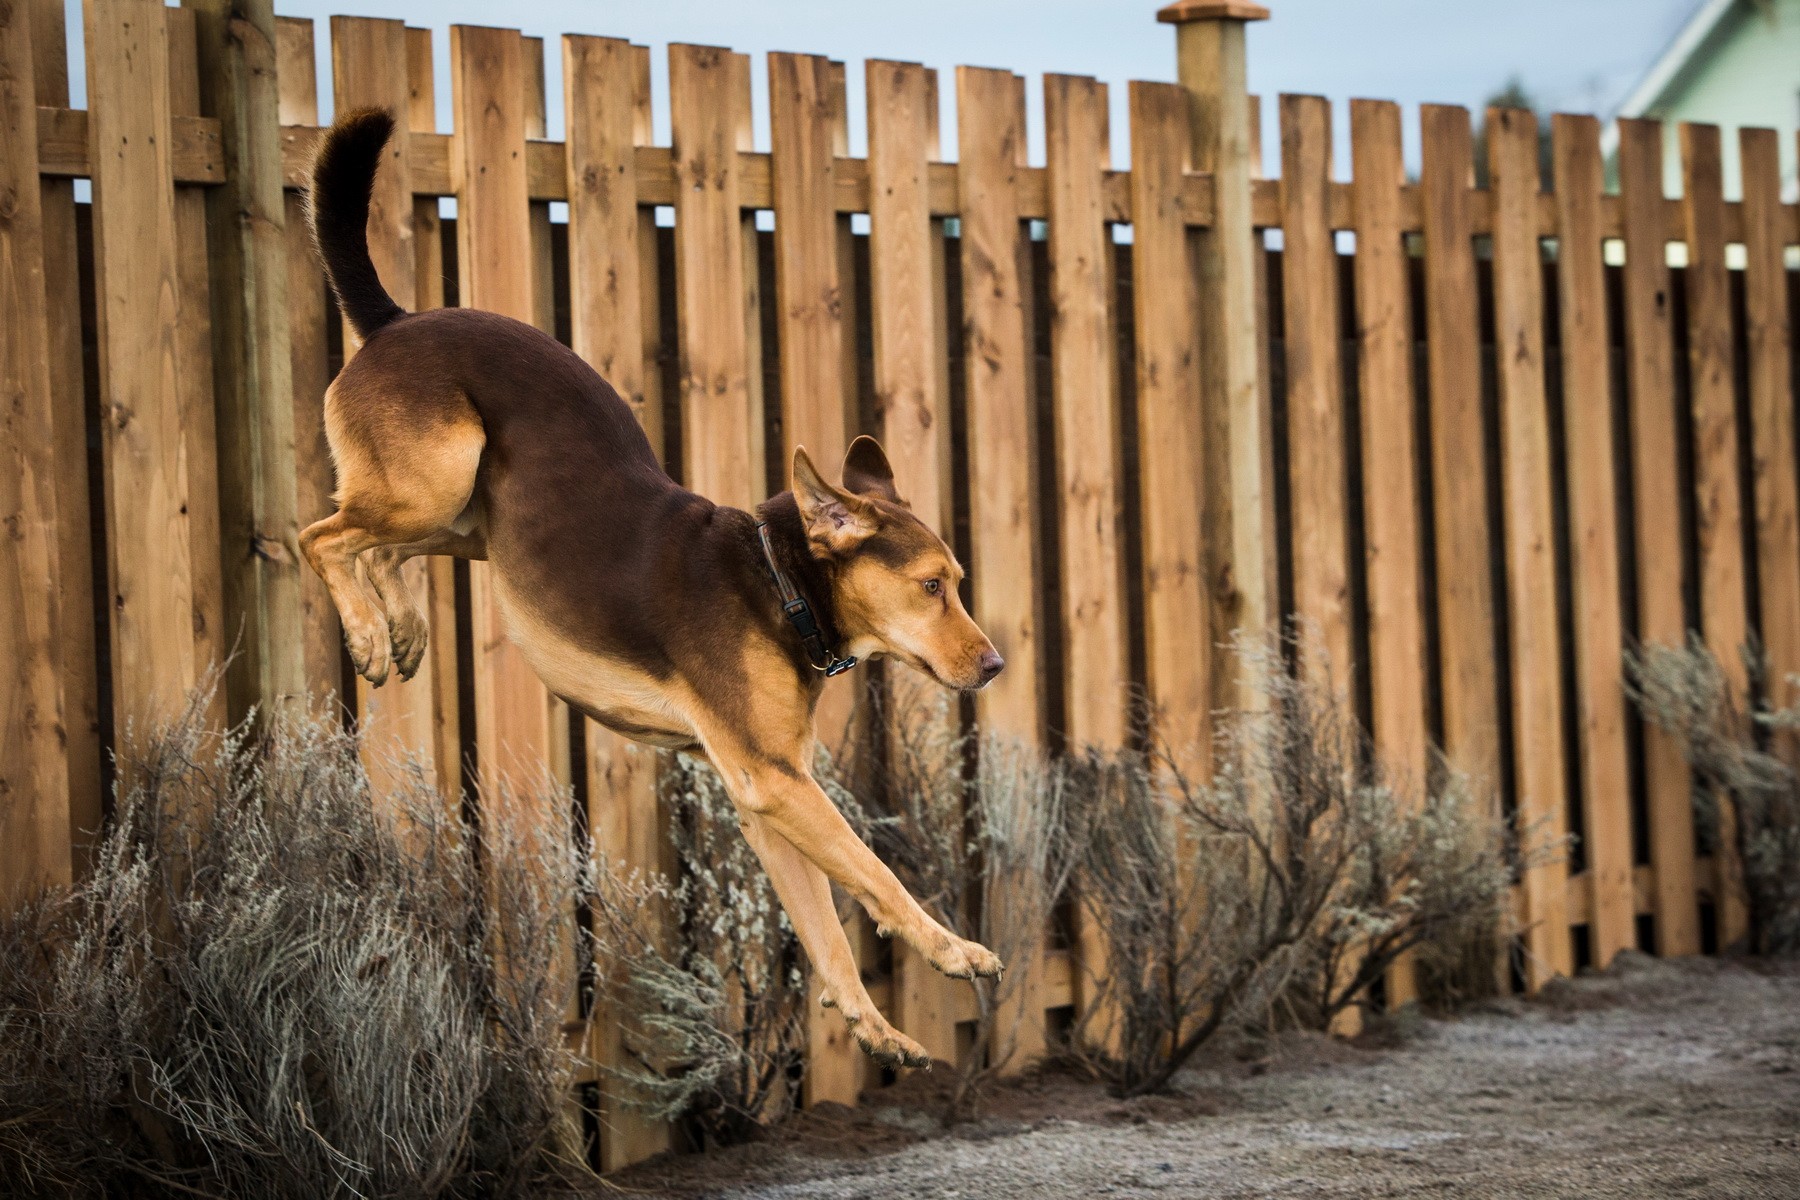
{"x":407,"y":627}
{"x":406,"y":470}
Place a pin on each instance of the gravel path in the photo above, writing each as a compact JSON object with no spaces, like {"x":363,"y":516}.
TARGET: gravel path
{"x":1656,"y":1079}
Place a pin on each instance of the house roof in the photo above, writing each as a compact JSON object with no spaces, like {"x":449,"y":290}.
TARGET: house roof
{"x":1675,"y":59}
{"x":1668,"y":67}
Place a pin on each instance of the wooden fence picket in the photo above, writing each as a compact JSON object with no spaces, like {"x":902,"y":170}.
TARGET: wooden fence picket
{"x":1467,"y":667}
{"x":607,"y":303}
{"x":139,"y":295}
{"x":70,"y":418}
{"x":1178,"y":657}
{"x":512,"y":707}
{"x":1002,"y":438}
{"x":1656,"y":505}
{"x":1390,"y":459}
{"x":1530,"y":536}
{"x":1318,"y":488}
{"x":1712,"y":398}
{"x":1096,"y":659}
{"x":1770,"y":347}
{"x":911,"y":400}
{"x":35,"y":834}
{"x":369,"y":70}
{"x":1594,"y":538}
{"x":310,"y":358}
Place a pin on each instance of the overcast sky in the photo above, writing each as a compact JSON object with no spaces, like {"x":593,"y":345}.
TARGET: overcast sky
{"x":1573,"y":54}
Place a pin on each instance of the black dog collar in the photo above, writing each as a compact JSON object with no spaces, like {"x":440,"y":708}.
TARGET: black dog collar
{"x":800,"y":615}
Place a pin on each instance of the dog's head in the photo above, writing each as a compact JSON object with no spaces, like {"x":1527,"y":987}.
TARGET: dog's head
{"x":893,"y":580}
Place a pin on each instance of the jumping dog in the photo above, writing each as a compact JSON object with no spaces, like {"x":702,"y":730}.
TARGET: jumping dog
{"x":673,"y":620}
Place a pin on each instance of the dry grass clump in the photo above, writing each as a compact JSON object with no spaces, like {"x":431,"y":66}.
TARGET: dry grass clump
{"x":275,"y":985}
{"x":704,"y":971}
{"x":1685,"y":692}
{"x":984,"y":832}
{"x":1296,"y":876}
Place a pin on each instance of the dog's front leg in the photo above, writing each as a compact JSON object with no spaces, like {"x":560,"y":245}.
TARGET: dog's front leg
{"x":790,"y":803}
{"x":806,"y":895}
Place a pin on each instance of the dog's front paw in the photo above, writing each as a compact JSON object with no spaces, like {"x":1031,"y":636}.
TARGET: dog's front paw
{"x":369,"y":653}
{"x":887,"y":1045}
{"x":960,"y":959}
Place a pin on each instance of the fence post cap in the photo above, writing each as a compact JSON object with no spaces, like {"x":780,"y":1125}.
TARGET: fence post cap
{"x":1183,"y":11}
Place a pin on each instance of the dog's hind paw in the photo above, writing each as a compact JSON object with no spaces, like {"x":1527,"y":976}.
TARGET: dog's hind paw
{"x":960,"y":959}
{"x":369,"y":654}
{"x":410,"y":637}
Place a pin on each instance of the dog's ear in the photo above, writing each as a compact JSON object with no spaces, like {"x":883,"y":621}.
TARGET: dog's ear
{"x":866,"y":470}
{"x":836,"y":521}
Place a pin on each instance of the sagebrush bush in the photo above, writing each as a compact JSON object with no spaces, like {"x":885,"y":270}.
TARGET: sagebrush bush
{"x":275,"y":984}
{"x":1684,"y":691}
{"x":982,"y":830}
{"x":704,"y":971}
{"x":1297,"y":874}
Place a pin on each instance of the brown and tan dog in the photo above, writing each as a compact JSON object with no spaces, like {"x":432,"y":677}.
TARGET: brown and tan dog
{"x":652,"y":610}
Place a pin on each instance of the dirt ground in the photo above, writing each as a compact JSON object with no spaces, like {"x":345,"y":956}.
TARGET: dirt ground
{"x":1655,"y":1079}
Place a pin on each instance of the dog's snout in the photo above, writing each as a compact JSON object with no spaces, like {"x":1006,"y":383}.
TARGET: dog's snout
{"x":991,"y":664}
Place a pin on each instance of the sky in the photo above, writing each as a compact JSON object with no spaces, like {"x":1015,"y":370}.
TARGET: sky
{"x":1575,"y":55}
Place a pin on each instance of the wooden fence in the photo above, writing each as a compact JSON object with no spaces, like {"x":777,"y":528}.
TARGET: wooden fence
{"x":1475,"y":454}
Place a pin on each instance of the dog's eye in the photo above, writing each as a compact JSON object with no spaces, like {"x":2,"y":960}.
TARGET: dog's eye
{"x":933,"y":586}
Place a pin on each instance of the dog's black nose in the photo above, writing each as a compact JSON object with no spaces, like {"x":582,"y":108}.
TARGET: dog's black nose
{"x":991,"y":665}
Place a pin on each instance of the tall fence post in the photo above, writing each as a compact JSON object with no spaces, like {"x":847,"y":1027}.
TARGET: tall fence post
{"x":247,"y":249}
{"x":1237,"y":462}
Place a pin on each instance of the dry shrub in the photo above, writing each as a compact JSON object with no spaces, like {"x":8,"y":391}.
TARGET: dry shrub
{"x":1684,"y":691}
{"x":983,"y":831}
{"x":1295,"y":875}
{"x":704,"y":971}
{"x":274,"y":985}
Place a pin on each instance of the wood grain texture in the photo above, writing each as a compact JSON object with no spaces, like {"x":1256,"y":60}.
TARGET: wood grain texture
{"x":911,"y":398}
{"x":1170,"y":431}
{"x":429,"y":283}
{"x":1392,"y":549}
{"x":194,"y":378}
{"x":70,"y":420}
{"x":252,"y":367}
{"x":1002,"y":437}
{"x":138,"y":301}
{"x":1656,"y":501}
{"x":721,"y":433}
{"x":1090,"y":457}
{"x":1315,"y":403}
{"x":309,"y":355}
{"x":512,"y":708}
{"x":369,"y":57}
{"x":1769,"y":343}
{"x":1539,"y":754}
{"x":1467,"y":668}
{"x":35,"y":833}
{"x":1086,"y":407}
{"x":607,"y":313}
{"x":1724,"y":595}
{"x":1598,"y":630}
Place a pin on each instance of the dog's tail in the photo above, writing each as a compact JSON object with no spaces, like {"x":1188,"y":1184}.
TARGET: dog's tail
{"x":343,"y":178}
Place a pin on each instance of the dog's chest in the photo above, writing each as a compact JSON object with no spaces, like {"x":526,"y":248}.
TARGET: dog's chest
{"x":625,"y":699}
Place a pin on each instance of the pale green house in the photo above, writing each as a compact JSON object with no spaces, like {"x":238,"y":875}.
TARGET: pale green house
{"x":1735,"y":63}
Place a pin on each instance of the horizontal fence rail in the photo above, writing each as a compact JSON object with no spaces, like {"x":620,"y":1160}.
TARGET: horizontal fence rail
{"x":1478,"y":438}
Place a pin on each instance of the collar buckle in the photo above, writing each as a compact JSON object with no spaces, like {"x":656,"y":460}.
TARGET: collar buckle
{"x":800,"y":615}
